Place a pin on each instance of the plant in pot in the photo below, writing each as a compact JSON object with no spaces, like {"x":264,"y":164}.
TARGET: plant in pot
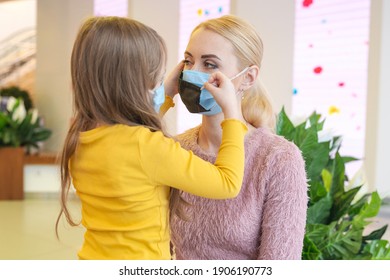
{"x":20,"y":124}
{"x":21,"y":130}
{"x":337,"y":216}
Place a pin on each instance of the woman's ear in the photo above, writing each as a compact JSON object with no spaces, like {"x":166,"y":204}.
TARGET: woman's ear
{"x":250,"y":77}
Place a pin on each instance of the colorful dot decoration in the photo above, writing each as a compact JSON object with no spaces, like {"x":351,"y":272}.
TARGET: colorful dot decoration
{"x":206,"y":12}
{"x":333,"y":110}
{"x":317,"y":70}
{"x":307,"y":3}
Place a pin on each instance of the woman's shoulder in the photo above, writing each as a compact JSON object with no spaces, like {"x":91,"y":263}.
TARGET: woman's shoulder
{"x":266,"y":142}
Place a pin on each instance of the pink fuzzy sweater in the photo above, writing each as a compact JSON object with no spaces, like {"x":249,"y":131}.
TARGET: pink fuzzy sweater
{"x":266,"y":220}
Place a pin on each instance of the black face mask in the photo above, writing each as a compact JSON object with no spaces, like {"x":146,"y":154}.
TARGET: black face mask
{"x":190,"y":95}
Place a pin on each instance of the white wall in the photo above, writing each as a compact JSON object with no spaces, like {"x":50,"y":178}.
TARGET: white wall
{"x":57,"y":25}
{"x":164,"y":18}
{"x":274,"y":21}
{"x":377,"y":149}
{"x":26,"y":16}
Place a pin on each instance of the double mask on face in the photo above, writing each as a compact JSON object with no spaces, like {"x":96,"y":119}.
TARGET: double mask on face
{"x":195,"y":98}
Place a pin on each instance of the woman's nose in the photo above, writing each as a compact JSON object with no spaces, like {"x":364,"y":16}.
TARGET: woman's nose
{"x":194,"y":67}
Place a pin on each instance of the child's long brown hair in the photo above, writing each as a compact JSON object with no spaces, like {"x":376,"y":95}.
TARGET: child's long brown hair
{"x":115,"y":63}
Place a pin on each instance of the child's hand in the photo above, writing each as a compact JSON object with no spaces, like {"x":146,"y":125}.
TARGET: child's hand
{"x":171,"y":84}
{"x":224,"y":93}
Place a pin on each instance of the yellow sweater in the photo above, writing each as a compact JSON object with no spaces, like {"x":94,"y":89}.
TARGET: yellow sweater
{"x":122,"y":173}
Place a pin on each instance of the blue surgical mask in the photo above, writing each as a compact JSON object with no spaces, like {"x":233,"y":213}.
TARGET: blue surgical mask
{"x":158,"y":97}
{"x":196,"y":99}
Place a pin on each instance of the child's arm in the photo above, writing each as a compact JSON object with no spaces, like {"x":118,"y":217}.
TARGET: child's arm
{"x":169,"y":164}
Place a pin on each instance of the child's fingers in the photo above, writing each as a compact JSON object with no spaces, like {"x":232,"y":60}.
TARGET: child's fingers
{"x":216,"y":81}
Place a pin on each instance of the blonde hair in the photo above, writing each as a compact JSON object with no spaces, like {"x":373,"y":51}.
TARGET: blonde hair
{"x":256,"y":106}
{"x":115,"y":63}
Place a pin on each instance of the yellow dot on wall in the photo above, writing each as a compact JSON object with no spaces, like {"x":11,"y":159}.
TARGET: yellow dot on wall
{"x":200,"y":12}
{"x":333,"y":110}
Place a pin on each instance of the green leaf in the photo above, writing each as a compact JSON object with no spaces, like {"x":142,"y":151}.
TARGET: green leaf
{"x":343,"y":241}
{"x":284,"y":126}
{"x":342,"y":202}
{"x":310,"y":251}
{"x":338,"y":176}
{"x":314,"y":120}
{"x":377,"y":234}
{"x":319,"y":212}
{"x":379,"y":249}
{"x":336,"y":144}
{"x":368,"y":210}
{"x":316,"y":156}
{"x":357,"y":206}
{"x":316,"y":192}
{"x":349,"y":159}
{"x":327,"y":179}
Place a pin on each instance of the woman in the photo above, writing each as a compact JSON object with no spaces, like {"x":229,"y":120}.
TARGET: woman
{"x":267,"y":219}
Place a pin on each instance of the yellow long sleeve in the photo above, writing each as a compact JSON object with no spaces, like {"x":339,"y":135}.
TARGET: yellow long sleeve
{"x":122,"y":176}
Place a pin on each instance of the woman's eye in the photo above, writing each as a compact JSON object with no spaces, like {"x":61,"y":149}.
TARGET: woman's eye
{"x":186,"y":62}
{"x":209,"y":65}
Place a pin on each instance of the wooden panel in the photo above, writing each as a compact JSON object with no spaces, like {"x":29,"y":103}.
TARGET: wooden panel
{"x":41,"y":158}
{"x":11,"y":173}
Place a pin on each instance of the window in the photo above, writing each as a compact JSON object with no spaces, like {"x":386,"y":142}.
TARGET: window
{"x":330,"y":68}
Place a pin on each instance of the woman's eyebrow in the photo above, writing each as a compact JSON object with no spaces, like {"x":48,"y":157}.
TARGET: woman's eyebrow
{"x":203,"y":56}
{"x":210,"y":56}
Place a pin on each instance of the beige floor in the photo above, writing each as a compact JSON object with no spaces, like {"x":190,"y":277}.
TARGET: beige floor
{"x":27,"y":230}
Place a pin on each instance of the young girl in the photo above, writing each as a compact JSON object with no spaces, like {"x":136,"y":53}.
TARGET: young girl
{"x":116,"y":153}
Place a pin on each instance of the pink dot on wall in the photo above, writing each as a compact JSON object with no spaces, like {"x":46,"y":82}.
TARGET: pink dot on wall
{"x":307,"y":3}
{"x":317,"y":70}
{"x":341,"y":84}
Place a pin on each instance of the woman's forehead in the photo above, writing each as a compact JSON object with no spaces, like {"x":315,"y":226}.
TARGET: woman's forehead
{"x":204,"y":41}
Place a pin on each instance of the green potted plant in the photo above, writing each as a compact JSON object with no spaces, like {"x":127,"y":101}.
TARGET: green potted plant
{"x":20,"y":124}
{"x":336,"y":216}
{"x":21,"y":130}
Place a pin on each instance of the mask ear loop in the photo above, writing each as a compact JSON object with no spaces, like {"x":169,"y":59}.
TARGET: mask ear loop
{"x":241,"y":91}
{"x":239,"y":74}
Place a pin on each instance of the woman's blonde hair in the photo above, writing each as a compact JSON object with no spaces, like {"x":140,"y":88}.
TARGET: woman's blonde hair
{"x":115,"y":63}
{"x":256,"y":106}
